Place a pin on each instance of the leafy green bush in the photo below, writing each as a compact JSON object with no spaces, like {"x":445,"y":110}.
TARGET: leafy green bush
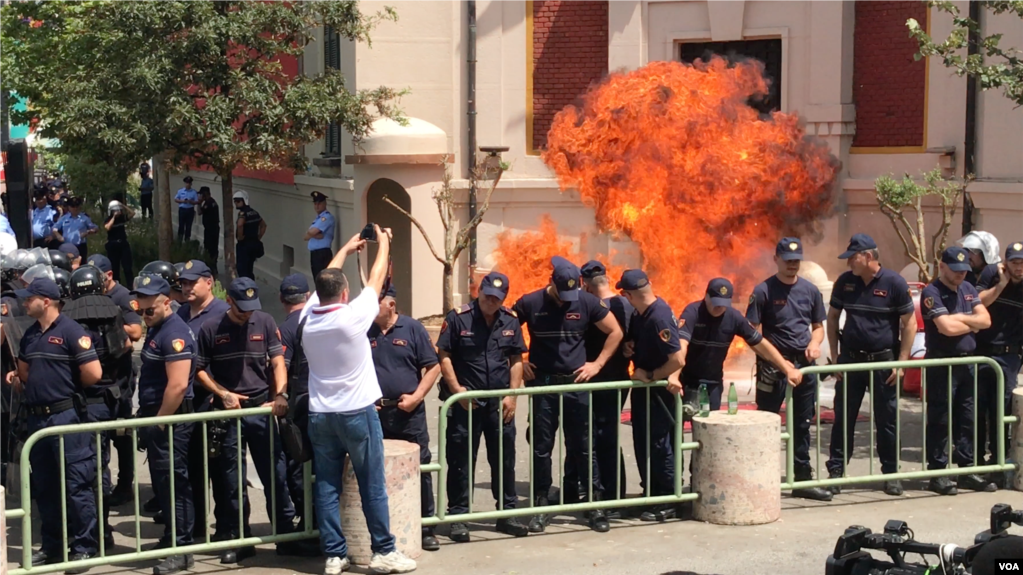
{"x":142,"y":238}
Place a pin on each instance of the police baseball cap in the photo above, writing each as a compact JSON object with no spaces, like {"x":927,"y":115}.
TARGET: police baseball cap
{"x":318,"y":197}
{"x":70,"y":250}
{"x":956,"y":258}
{"x":720,"y":291}
{"x":495,"y":284}
{"x":858,"y":243}
{"x":150,"y":285}
{"x":390,"y":291}
{"x":75,"y":201}
{"x":100,"y":261}
{"x":188,"y":179}
{"x":195,"y":269}
{"x":789,"y":249}
{"x":43,"y":287}
{"x":294,"y":284}
{"x":632,"y":279}
{"x":1014,"y":251}
{"x":245,"y":294}
{"x":592,"y":269}
{"x":565,"y":278}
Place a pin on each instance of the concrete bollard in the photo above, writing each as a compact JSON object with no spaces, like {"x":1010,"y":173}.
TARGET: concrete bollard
{"x":401,"y":469}
{"x":737,"y":471}
{"x":1015,"y":449}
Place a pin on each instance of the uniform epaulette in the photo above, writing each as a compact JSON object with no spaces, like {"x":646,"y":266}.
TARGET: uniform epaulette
{"x":509,"y":311}
{"x":464,"y":309}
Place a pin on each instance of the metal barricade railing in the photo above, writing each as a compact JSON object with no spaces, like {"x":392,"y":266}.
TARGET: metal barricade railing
{"x":133,"y":425}
{"x":788,"y":436}
{"x":561,"y":507}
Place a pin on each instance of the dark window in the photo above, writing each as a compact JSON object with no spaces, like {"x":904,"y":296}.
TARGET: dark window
{"x":332,"y":60}
{"x":767,"y":51}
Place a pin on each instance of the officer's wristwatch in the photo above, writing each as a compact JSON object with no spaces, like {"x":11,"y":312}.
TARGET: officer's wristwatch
{"x":284,"y":394}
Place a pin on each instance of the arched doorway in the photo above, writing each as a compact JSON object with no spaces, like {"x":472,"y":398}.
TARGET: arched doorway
{"x":384,"y":215}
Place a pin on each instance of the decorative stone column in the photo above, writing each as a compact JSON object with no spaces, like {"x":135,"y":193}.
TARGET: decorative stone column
{"x":1015,"y":449}
{"x":401,"y":470}
{"x":737,"y":471}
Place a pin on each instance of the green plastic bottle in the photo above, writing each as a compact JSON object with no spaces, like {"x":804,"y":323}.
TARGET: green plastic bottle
{"x":704,"y":400}
{"x":733,"y":399}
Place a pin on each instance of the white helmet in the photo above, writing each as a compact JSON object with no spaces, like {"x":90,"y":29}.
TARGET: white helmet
{"x":986,"y":242}
{"x":241,"y":195}
{"x":113,"y":206}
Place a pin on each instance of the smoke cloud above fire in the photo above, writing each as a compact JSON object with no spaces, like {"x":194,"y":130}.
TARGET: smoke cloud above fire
{"x":673,"y":157}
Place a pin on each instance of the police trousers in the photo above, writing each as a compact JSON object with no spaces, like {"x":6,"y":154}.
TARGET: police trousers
{"x":80,"y":476}
{"x":607,"y":417}
{"x":486,"y":420}
{"x":248,"y":251}
{"x":102,"y":412}
{"x":771,"y":396}
{"x":319,"y":260}
{"x":411,"y":427}
{"x":256,"y":433}
{"x":574,"y":409}
{"x":160,"y":456}
{"x":654,"y":407}
{"x":146,"y":205}
{"x":211,"y":242}
{"x":197,"y":458}
{"x":940,"y":430}
{"x":987,"y":404}
{"x":185,"y":218}
{"x":848,"y":398}
{"x":119,"y":254}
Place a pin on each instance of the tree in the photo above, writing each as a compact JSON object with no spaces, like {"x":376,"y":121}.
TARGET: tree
{"x":199,"y":84}
{"x":992,"y":65}
{"x":896,"y":199}
{"x":456,"y":239}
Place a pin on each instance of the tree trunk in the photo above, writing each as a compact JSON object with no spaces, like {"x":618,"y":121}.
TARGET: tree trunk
{"x":164,"y":228}
{"x":227,"y":205}
{"x":449,"y":288}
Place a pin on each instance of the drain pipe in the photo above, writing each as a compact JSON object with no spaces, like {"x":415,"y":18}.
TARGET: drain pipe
{"x":470,"y":74}
{"x":970,"y":144}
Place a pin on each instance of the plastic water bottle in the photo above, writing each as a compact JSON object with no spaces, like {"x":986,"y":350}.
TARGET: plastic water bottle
{"x":733,"y":399}
{"x":704,"y":399}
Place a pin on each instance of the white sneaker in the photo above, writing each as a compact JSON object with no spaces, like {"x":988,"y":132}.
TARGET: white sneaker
{"x":393,"y":562}
{"x":335,"y":565}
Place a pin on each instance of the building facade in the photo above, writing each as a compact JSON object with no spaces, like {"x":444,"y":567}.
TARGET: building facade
{"x":846,"y":68}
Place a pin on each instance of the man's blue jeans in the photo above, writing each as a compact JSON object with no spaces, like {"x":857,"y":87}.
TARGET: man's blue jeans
{"x":358,"y":435}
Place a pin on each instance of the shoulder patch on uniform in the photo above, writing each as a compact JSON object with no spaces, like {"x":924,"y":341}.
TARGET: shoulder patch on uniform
{"x":134,"y":305}
{"x":444,"y":326}
{"x":929,"y":302}
{"x":681,"y":322}
{"x":665,"y":335}
{"x":85,"y":342}
{"x":603,"y":303}
{"x":752,"y":299}
{"x":510,"y":311}
{"x":464,"y":309}
{"x":178,"y":344}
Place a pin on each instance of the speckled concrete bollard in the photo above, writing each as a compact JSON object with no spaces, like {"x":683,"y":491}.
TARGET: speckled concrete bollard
{"x":401,"y":468}
{"x":736,"y":471}
{"x":1015,"y":450}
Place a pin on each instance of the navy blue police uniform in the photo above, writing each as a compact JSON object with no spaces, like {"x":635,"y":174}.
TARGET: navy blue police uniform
{"x":655,"y":338}
{"x":709,"y":338}
{"x":202,"y":401}
{"x":871,"y":334}
{"x":53,"y":397}
{"x":400,"y":355}
{"x":480,"y":355}
{"x":250,"y":248}
{"x":168,"y":342}
{"x":607,"y":405}
{"x":938,"y":299}
{"x":298,"y":388}
{"x":238,"y":358}
{"x":786,"y":314}
{"x":1002,"y":342}
{"x":557,"y":331}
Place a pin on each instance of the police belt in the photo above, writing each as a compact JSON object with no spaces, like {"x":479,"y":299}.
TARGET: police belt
{"x":553,"y":379}
{"x":51,"y":408}
{"x":186,"y":407}
{"x":382,"y":402}
{"x":255,"y":401}
{"x":869,"y":356}
{"x":992,"y":350}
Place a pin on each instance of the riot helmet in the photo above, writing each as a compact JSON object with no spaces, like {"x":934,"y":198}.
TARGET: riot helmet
{"x":59,"y":259}
{"x":63,"y":280}
{"x":87,"y":280}
{"x":37,"y":271}
{"x":163,"y":269}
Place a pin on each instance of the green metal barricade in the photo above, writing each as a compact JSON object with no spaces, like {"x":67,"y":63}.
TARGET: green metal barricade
{"x":133,"y":426}
{"x":999,"y":466}
{"x":647,"y":498}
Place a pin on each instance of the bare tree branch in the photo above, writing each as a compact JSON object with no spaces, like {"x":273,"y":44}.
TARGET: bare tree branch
{"x":422,"y":230}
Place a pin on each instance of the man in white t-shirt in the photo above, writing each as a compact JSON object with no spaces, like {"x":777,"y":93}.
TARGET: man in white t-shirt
{"x":343,"y":391}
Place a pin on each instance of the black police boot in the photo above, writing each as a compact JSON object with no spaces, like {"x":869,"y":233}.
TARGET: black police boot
{"x":158,"y":518}
{"x":893,"y":488}
{"x":659,"y":513}
{"x":599,"y":522}
{"x":942,"y":486}
{"x":974,"y":482}
{"x":108,"y":537}
{"x":150,"y":506}
{"x":814,"y":493}
{"x":232,"y":556}
{"x":173,"y":564}
{"x":430,"y":542}
{"x":459,"y":533}
{"x":539,"y":522}
{"x":123,"y":494}
{"x":42,"y":557}
{"x":512,"y":526}
{"x":834,"y":489}
{"x":78,"y":557}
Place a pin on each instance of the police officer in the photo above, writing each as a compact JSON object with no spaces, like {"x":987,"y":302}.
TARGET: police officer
{"x":75,"y":226}
{"x":953,"y":314}
{"x":15,"y":322}
{"x":120,"y":295}
{"x":558,"y":317}
{"x":320,"y":235}
{"x":1001,"y":291}
{"x":146,"y":188}
{"x":480,"y":347}
{"x":875,"y":301}
{"x":407,"y":367}
{"x":170,"y":273}
{"x":653,"y":344}
{"x":43,"y":218}
{"x":249,"y":232}
{"x":790,"y":313}
{"x":165,"y":388}
{"x":56,"y":361}
{"x":234,"y":349}
{"x":196,"y":281}
{"x":982,"y":249}
{"x":294,"y":295}
{"x":118,"y":249}
{"x":102,"y":320}
{"x":209,"y":210}
{"x":186,"y":198}
{"x":72,"y":254}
